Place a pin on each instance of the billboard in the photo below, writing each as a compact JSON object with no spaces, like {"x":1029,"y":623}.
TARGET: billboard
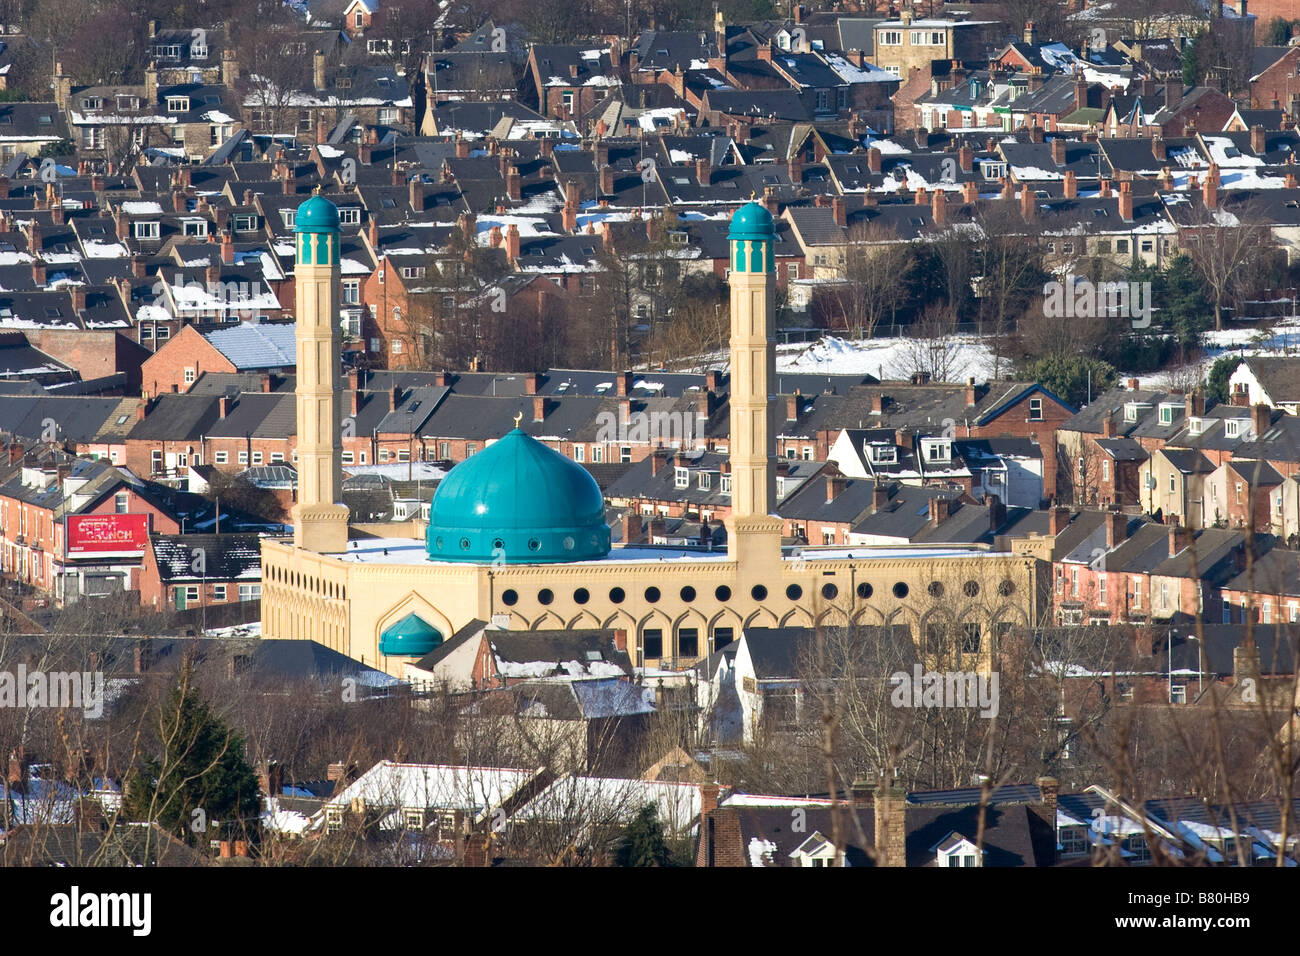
{"x":107,"y":534}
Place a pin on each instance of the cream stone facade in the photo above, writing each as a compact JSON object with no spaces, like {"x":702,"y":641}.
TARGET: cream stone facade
{"x":677,"y":605}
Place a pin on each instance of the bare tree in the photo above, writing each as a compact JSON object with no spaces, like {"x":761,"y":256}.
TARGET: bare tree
{"x":1228,"y":247}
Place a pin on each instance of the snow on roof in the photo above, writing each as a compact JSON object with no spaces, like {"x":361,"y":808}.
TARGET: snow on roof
{"x":761,"y":852}
{"x":248,"y":345}
{"x":141,"y":208}
{"x":598,"y":800}
{"x":476,"y":790}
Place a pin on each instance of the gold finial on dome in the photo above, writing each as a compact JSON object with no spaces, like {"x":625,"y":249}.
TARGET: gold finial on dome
{"x":518,"y":418}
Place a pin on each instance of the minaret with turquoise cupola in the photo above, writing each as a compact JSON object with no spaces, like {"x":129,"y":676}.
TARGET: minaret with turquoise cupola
{"x":754,"y":533}
{"x":320,"y":520}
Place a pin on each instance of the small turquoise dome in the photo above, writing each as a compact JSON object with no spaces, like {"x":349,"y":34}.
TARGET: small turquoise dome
{"x":412,"y":636}
{"x":752,"y":221}
{"x":317,"y":214}
{"x":518,"y":502}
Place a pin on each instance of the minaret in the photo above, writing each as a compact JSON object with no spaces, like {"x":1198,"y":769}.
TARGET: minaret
{"x":320,"y":521}
{"x":754,"y":534}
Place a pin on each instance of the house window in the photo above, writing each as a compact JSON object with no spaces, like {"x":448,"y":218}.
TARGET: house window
{"x":891,"y":37}
{"x":244,"y":223}
{"x":178,"y":104}
{"x":597,"y":453}
{"x":1178,"y":694}
{"x":566,"y":100}
{"x":1121,"y":245}
{"x":1266,"y":613}
{"x":351,"y":291}
{"x":383,"y":454}
{"x":579,"y":452}
{"x":222,"y":457}
{"x":1101,"y":589}
{"x":360,"y":20}
{"x":348,"y":458}
{"x":197,"y":228}
{"x":218,"y":592}
{"x":704,"y":481}
{"x":189,"y":376}
{"x":1073,"y":840}
{"x":250,"y":592}
{"x":387,"y":116}
{"x":1171,"y":482}
{"x":191,"y":594}
{"x":145,"y":230}
{"x":121,"y":502}
{"x":350,"y":216}
{"x":653,"y":643}
{"x":681,"y":478}
{"x":257,"y":457}
{"x":726,"y":485}
{"x":625,"y":454}
{"x":1137,"y":594}
{"x":243,"y":458}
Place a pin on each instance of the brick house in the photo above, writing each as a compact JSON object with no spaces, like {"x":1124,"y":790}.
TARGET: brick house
{"x":1275,"y":80}
{"x":243,"y":347}
{"x":180,"y":572}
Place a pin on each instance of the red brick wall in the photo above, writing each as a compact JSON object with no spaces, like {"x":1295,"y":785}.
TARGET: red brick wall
{"x":1279,"y":82}
{"x":1014,"y":422}
{"x":164,"y":371}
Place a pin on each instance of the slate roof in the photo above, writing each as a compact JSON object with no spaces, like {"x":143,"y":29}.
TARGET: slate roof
{"x":263,"y":345}
{"x":225,"y":557}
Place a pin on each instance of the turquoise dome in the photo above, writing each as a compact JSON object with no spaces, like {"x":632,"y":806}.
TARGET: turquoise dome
{"x":412,"y":636}
{"x":518,"y":502}
{"x":752,"y":221}
{"x":317,"y":214}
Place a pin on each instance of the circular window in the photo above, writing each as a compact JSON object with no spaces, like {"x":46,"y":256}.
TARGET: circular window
{"x":652,"y":595}
{"x":970,"y":589}
{"x":545,"y":596}
{"x":498,"y":544}
{"x":864,"y":590}
{"x":568,"y":542}
{"x":794,"y":592}
{"x":617,"y":595}
{"x":581,"y":596}
{"x":935,"y":589}
{"x":900,"y":590}
{"x":1007,"y":588}
{"x":758,"y":592}
{"x":510,"y":597}
{"x":688,"y":594}
{"x":722,"y":593}
{"x":534,"y":544}
{"x":464,"y":544}
{"x":830,"y":592}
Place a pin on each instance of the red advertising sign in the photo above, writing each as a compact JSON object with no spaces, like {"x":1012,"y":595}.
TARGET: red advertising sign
{"x":107,"y":534}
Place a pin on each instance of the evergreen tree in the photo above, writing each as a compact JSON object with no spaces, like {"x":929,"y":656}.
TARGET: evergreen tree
{"x":1191,"y":62}
{"x":643,"y":842}
{"x":1184,"y":311}
{"x":1222,"y":369}
{"x":1072,"y":377}
{"x":198,"y":775}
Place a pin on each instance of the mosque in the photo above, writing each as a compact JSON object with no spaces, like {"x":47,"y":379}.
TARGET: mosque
{"x":517,"y":534}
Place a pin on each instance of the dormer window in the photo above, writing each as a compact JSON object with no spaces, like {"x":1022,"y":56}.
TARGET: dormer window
{"x":289,"y":216}
{"x":1167,"y":414}
{"x":681,"y":478}
{"x":705,"y":481}
{"x":145,"y":230}
{"x":937,"y":449}
{"x":1195,"y":426}
{"x":178,"y":104}
{"x":92,"y":103}
{"x":725,"y":484}
{"x":887,"y":454}
{"x":1232,"y":427}
{"x":957,"y":851}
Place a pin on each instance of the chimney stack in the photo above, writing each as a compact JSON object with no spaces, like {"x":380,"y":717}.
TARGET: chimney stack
{"x":1071,"y":185}
{"x":1116,"y":528}
{"x":1058,"y":520}
{"x":1261,"y":417}
{"x":512,"y":242}
{"x":1028,"y":203}
{"x":1126,"y":202}
{"x":514,"y":184}
{"x":939,"y":208}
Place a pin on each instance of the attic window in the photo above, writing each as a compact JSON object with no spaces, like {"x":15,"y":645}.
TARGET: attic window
{"x":1100,"y":213}
{"x":52,"y":312}
{"x":1232,"y":427}
{"x":44,"y":119}
{"x":343,"y":83}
